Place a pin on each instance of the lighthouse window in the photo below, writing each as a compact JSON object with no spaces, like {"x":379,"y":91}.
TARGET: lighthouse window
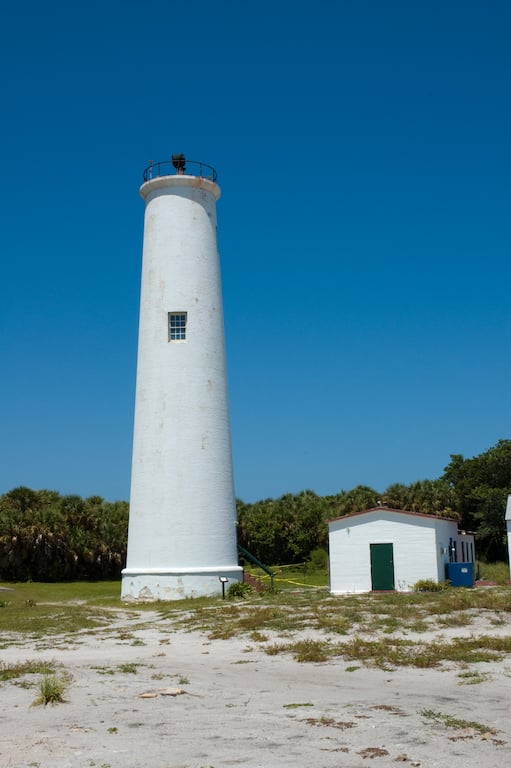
{"x":177,"y":326}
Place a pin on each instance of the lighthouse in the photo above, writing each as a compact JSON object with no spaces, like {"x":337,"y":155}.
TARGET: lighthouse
{"x":182,"y":522}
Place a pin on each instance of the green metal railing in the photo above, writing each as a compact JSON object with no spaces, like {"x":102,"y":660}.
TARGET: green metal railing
{"x":248,"y":556}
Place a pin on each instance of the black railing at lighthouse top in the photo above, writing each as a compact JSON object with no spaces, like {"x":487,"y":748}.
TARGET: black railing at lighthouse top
{"x":179,"y":166}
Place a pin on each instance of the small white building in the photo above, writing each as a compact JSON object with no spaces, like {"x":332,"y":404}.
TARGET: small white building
{"x":391,"y":549}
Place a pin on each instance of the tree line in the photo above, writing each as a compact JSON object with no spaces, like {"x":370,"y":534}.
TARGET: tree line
{"x":45,"y":536}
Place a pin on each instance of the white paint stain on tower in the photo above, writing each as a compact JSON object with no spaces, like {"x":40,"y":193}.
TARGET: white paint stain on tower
{"x":182,"y":527}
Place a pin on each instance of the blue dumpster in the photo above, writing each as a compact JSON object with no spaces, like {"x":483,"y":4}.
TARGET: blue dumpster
{"x":460,"y":574}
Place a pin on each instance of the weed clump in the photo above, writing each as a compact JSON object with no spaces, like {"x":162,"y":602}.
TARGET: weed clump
{"x":128,"y":669}
{"x":51,"y":690}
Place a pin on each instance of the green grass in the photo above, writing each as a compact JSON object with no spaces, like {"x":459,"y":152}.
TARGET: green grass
{"x":270,"y":617}
{"x":104,"y":670}
{"x":388,"y":654}
{"x":452,"y":722}
{"x":330,"y":722}
{"x":40,"y":610}
{"x":498,"y":572}
{"x":457,"y":619}
{"x":472,"y":678}
{"x":129,"y":668}
{"x":13,"y":671}
{"x":372,"y":629}
{"x":44,"y":621}
{"x":304,"y":650}
{"x":289,"y":577}
{"x":99,"y":592}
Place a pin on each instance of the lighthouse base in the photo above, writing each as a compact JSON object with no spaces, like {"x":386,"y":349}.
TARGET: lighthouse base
{"x":144,"y":585}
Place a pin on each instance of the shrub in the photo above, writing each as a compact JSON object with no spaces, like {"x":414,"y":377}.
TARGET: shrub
{"x":318,"y":560}
{"x":429,"y":585}
{"x":51,"y":690}
{"x":239,"y":590}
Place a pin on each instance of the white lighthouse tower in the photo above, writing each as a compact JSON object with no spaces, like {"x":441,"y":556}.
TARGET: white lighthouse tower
{"x":182,"y":525}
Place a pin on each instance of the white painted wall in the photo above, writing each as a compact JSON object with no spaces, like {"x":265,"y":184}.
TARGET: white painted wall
{"x":420,"y":544}
{"x":182,"y":533}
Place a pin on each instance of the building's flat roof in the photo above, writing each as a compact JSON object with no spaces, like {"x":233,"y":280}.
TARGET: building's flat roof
{"x":391,"y":509}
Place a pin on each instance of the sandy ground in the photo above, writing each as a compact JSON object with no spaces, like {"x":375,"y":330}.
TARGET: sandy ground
{"x":236,"y":706}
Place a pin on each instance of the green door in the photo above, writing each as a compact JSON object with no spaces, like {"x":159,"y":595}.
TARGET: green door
{"x":382,"y":566}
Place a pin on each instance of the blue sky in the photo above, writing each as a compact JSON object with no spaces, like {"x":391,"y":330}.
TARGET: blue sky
{"x":364,"y":158}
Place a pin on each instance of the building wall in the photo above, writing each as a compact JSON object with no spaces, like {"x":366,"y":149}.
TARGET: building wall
{"x":420,"y":544}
